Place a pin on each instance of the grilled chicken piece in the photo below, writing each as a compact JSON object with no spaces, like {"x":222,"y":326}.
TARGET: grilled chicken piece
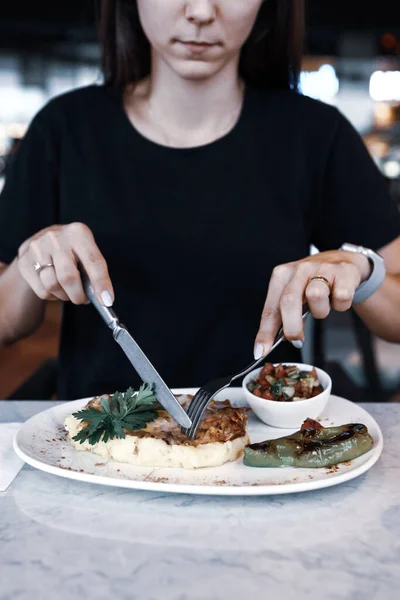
{"x":221,"y":423}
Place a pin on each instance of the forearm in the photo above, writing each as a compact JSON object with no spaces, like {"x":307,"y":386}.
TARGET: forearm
{"x":21,"y":311}
{"x":381,"y":312}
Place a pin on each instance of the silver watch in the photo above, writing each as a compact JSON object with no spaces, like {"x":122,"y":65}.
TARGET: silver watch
{"x":378,"y":272}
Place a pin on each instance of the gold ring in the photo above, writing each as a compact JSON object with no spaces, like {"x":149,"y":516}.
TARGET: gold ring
{"x":321,"y":278}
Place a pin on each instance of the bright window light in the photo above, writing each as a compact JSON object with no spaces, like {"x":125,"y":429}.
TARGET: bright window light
{"x":384,"y":86}
{"x":321,"y":85}
{"x":20,"y":104}
{"x":392,"y":169}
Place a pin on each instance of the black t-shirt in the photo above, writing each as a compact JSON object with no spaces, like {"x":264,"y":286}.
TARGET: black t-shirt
{"x":190,"y":235}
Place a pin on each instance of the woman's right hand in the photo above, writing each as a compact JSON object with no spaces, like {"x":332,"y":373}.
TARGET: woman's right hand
{"x":65,"y":246}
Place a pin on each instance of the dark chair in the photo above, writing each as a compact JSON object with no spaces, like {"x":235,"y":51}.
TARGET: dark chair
{"x":343,"y":385}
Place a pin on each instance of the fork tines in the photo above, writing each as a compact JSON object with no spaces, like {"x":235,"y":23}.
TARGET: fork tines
{"x":196,"y":410}
{"x":205,"y":394}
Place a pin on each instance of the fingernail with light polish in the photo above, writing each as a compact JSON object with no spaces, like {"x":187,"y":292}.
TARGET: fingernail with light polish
{"x":258,"y":351}
{"x":107,"y":298}
{"x":297,"y":344}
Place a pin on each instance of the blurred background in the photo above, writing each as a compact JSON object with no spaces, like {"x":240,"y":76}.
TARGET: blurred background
{"x":352,"y":60}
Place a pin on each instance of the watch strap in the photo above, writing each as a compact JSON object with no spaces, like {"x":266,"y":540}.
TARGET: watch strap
{"x":377,"y":277}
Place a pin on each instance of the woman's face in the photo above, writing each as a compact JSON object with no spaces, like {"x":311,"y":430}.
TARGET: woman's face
{"x":197,"y":38}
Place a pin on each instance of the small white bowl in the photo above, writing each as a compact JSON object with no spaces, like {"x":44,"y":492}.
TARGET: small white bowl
{"x":289,"y":415}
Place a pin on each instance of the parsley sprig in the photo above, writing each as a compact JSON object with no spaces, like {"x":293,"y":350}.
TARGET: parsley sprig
{"x":131,"y":410}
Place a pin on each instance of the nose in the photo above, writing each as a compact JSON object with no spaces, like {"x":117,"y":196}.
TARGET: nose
{"x":200,"y":12}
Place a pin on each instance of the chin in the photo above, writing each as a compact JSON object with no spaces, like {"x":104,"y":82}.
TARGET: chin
{"x":197,"y":71}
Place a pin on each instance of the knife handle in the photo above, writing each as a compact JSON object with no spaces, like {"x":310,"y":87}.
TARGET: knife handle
{"x":107,"y":314}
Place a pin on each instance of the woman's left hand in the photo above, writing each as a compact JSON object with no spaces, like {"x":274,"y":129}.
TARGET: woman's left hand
{"x":293,"y":284}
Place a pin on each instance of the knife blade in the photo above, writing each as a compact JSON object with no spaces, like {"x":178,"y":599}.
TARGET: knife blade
{"x":137,"y":357}
{"x":149,"y":374}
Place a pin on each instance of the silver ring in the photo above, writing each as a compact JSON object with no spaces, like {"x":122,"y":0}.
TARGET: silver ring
{"x":38,"y":267}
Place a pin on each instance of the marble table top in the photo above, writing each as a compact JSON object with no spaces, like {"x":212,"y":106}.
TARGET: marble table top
{"x":61,"y":539}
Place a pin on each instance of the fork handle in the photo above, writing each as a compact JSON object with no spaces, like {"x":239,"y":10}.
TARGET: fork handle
{"x":258,"y":361}
{"x":278,"y":340}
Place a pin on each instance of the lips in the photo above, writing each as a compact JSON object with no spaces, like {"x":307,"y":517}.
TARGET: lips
{"x":196,"y":47}
{"x":197,"y":43}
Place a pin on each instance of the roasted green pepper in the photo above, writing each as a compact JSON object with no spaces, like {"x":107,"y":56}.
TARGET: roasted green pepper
{"x":311,"y":447}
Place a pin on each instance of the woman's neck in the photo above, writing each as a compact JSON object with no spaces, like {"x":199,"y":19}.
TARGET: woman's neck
{"x":179,"y":112}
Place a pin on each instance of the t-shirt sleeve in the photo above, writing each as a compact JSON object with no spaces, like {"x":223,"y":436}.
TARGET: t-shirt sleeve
{"x":29,"y":200}
{"x":354,"y":203}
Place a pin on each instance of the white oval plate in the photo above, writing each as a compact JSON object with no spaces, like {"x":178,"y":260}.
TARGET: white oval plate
{"x":42,"y":443}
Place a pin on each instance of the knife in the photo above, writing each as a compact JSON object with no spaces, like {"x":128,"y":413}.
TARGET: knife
{"x":136,"y":356}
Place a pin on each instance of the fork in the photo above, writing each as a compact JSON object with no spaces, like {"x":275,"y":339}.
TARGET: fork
{"x":205,"y":394}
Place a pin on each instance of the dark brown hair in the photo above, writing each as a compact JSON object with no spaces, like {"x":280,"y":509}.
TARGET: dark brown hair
{"x":271,"y":57}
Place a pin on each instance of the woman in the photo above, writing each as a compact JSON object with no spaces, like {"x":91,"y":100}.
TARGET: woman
{"x":190,"y":187}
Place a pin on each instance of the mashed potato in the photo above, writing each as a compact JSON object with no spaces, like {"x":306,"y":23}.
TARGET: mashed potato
{"x":153,"y":452}
{"x":221,"y":438}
